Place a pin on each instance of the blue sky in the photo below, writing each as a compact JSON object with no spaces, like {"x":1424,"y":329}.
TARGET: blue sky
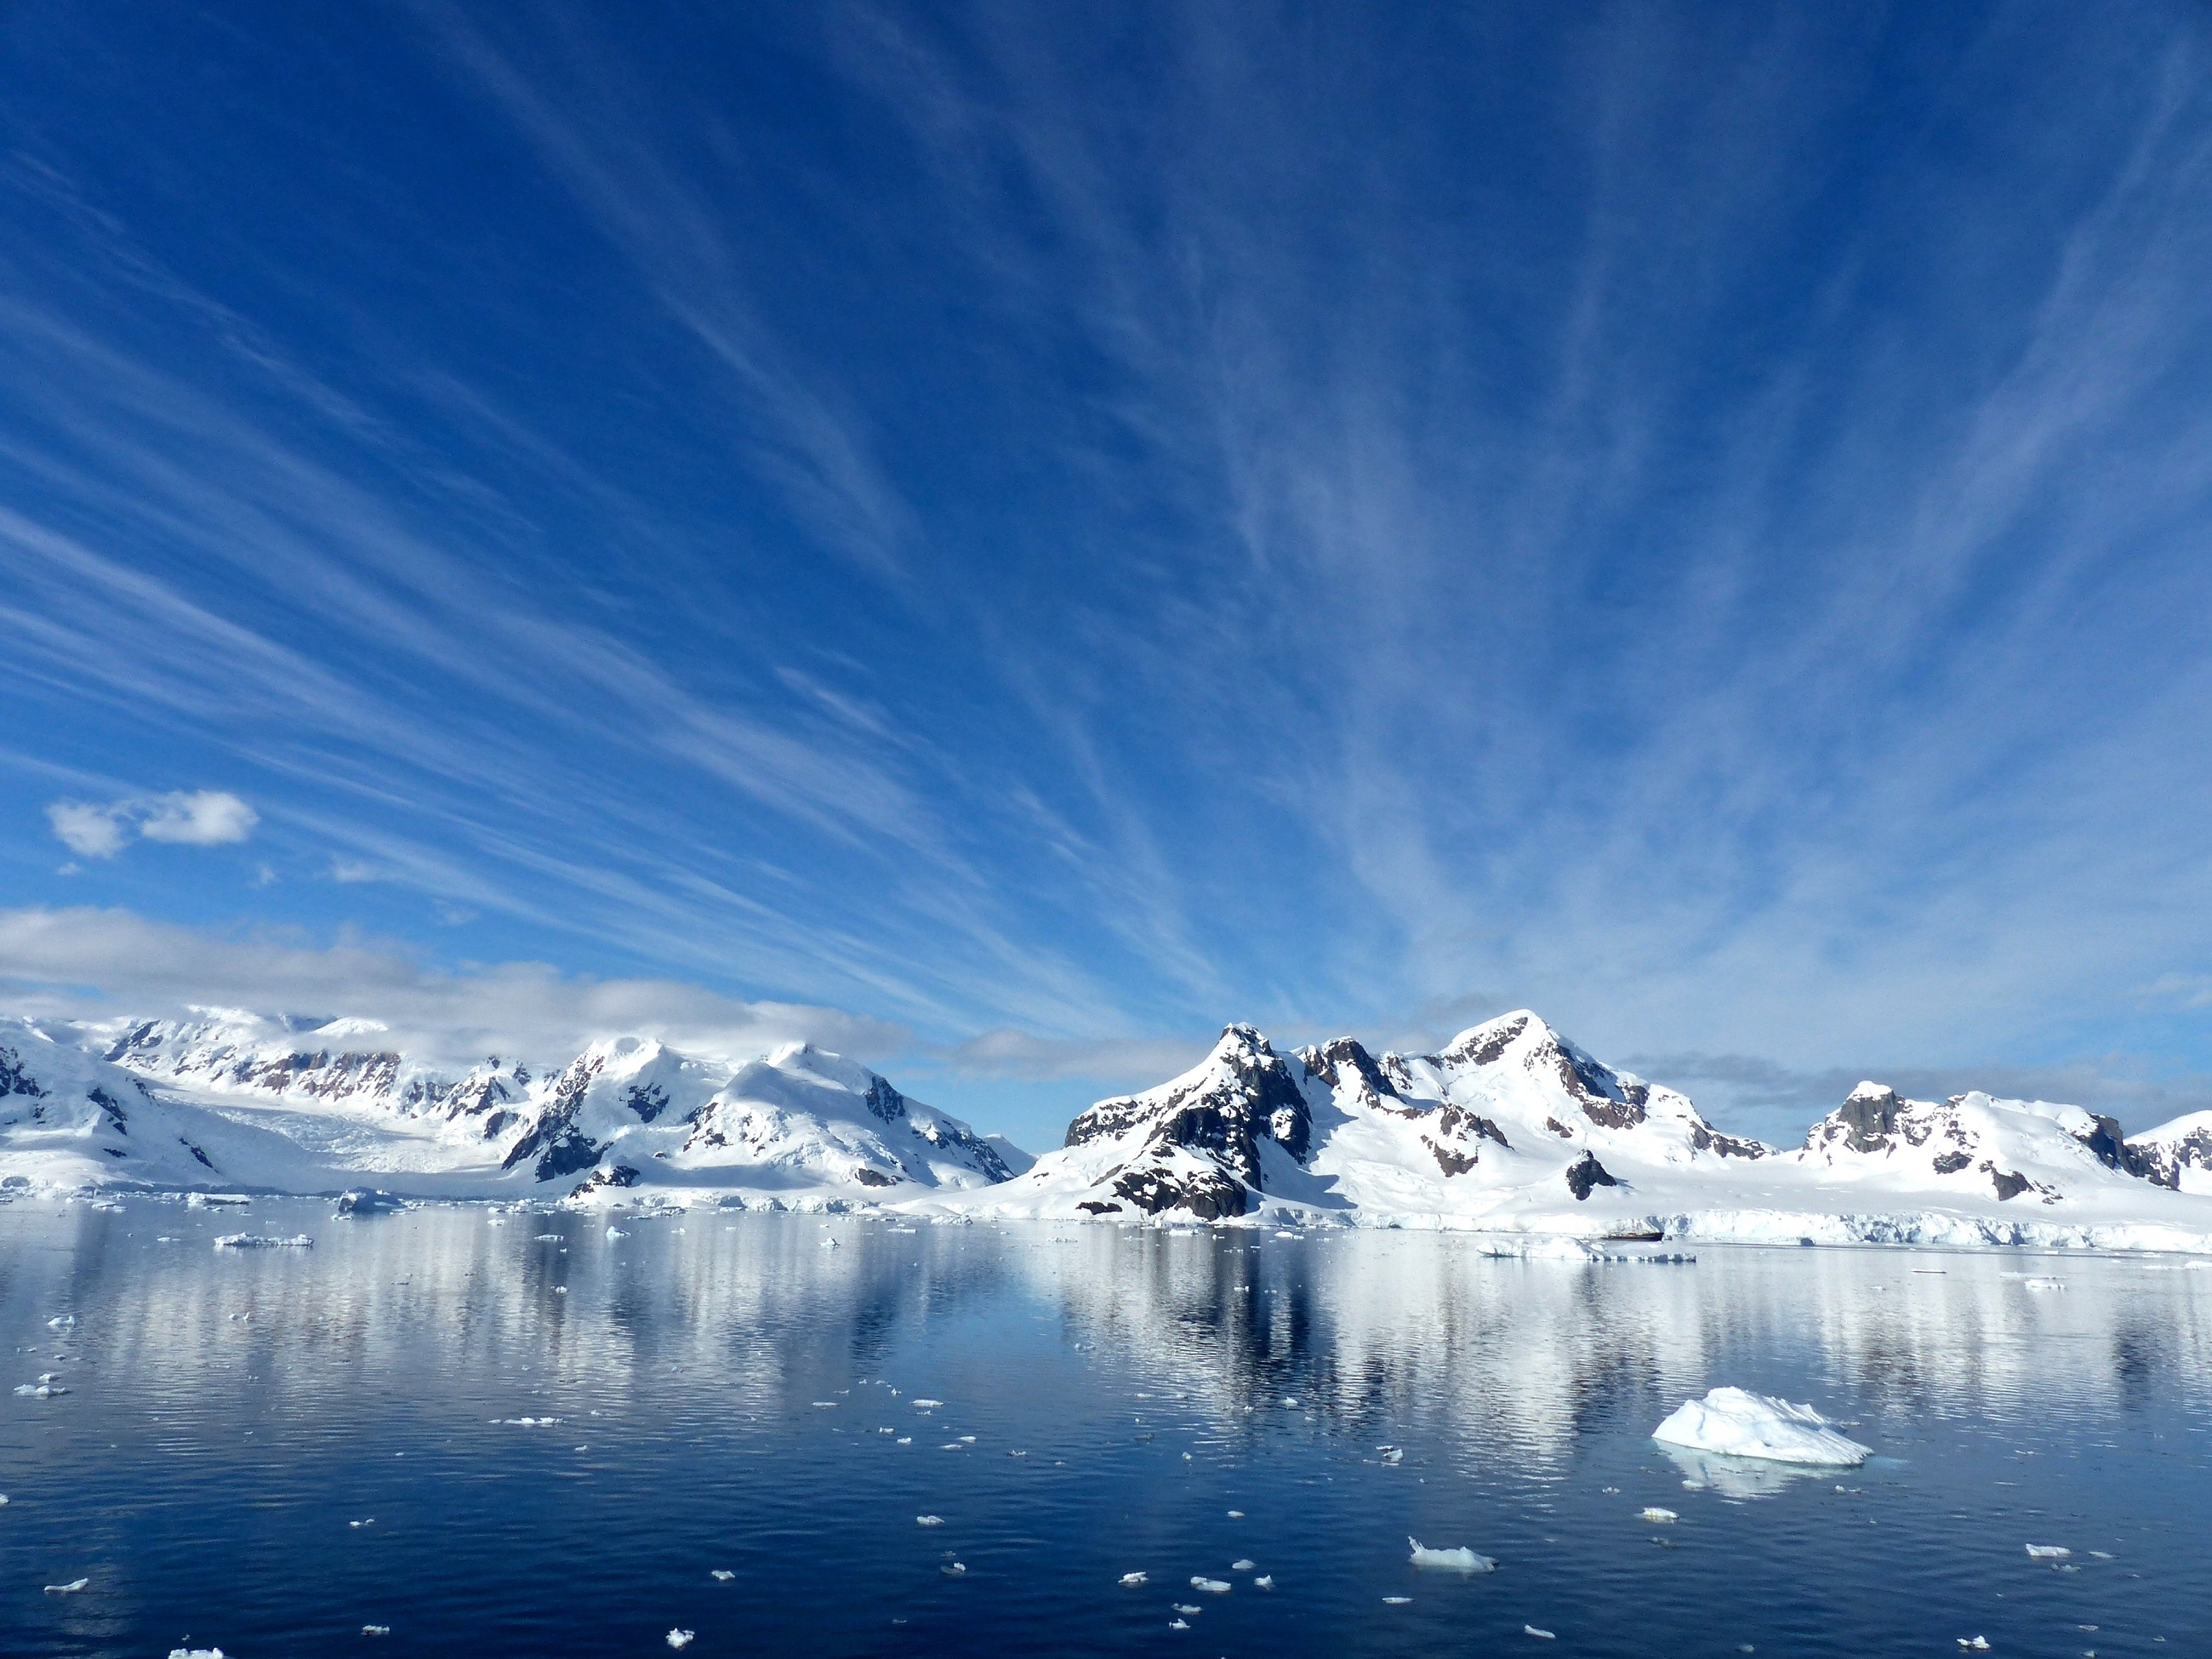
{"x":1003,"y":539}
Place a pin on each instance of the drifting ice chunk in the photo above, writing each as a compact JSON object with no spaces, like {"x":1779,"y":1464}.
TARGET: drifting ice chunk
{"x":376,"y":1630}
{"x":40,"y":1391}
{"x":195,"y":1653}
{"x":1975,"y":1644}
{"x":1243,"y":1566}
{"x":681,"y":1638}
{"x":1187,"y":1608}
{"x":1265,"y":1580}
{"x":259,"y":1241}
{"x":1211,"y":1586}
{"x":616,"y":1232}
{"x":1135,"y":1580}
{"x":69,"y":1589}
{"x":928,"y":1520}
{"x":1736,"y":1423}
{"x":61,"y":1321}
{"x":1541,"y":1635}
{"x":1395,"y":1600}
{"x":925,"y":1404}
{"x":1178,"y":1624}
{"x":1459,"y":1560}
{"x":723,"y":1574}
{"x":2049,"y":1552}
{"x":1657,"y":1516}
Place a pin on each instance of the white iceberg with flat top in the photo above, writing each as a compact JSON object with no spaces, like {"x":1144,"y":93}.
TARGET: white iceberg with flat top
{"x":1735,"y":1423}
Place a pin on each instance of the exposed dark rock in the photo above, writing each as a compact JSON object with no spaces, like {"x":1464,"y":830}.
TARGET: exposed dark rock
{"x":2009,"y":1183}
{"x":1706,"y":1140}
{"x":618,"y":1175}
{"x":868,"y":1177}
{"x":14,"y":1079}
{"x":110,"y":1108}
{"x":2112,"y":1150}
{"x":647,"y":1100}
{"x":1099,"y":1206}
{"x":572,"y":1151}
{"x":1209,"y":1195}
{"x":1869,"y":1119}
{"x":885,"y":1102}
{"x":1586,"y":1173}
{"x":1482,"y":1047}
{"x":1558,"y":1128}
{"x":1951,"y":1162}
{"x":1449,"y":1162}
{"x":196,"y":1152}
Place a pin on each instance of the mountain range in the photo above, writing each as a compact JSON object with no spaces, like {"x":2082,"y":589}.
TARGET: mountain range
{"x":1510,"y":1129}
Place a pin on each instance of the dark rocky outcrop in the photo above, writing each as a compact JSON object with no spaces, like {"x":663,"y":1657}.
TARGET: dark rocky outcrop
{"x":1586,"y":1174}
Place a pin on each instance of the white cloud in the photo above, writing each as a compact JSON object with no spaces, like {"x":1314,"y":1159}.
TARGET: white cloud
{"x":205,"y":817}
{"x":201,"y":818}
{"x":90,"y":832}
{"x":88,"y":963}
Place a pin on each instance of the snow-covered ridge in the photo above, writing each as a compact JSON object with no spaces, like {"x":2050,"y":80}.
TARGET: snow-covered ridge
{"x":228,"y":1097}
{"x":1512,"y":1127}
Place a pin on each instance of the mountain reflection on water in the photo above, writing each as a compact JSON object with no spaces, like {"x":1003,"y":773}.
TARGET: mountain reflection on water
{"x":270,"y":1448}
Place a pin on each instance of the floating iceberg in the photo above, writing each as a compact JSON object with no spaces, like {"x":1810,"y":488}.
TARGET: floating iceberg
{"x":2049,"y":1552}
{"x":1737,"y":1424}
{"x":261,"y":1241}
{"x":1459,"y":1560}
{"x":1134,"y":1580}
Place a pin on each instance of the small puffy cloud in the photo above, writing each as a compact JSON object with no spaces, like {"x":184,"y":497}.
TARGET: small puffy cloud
{"x":90,"y":832}
{"x":197,"y":818}
{"x":205,"y":817}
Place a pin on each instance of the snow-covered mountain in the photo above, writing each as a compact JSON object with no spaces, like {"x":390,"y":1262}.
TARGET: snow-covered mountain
{"x":1510,"y":1129}
{"x":1513,"y":1128}
{"x":308,"y":1106}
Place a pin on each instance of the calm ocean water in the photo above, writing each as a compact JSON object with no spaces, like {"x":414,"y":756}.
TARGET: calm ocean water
{"x":268,"y":1450}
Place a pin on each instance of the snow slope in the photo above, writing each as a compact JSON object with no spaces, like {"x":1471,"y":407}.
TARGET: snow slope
{"x":228,"y":1098}
{"x":1513,"y":1128}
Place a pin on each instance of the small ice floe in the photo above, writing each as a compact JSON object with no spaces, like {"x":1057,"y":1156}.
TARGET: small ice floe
{"x":195,"y":1653}
{"x":1285,"y":1235}
{"x":1135,"y":1580}
{"x":1178,"y":1624}
{"x":546,"y":1238}
{"x":1657,"y":1517}
{"x":2048,"y":1551}
{"x":825,"y":1405}
{"x":722,"y":1575}
{"x":376,"y":1630}
{"x":527,"y":1422}
{"x":2043,"y":1284}
{"x":61,"y":1321}
{"x":1265,"y":1580}
{"x":1392,"y":1455}
{"x":1236,"y":1515}
{"x":1188,"y":1608}
{"x":906,"y":1440}
{"x":1541,"y":1635}
{"x":263,"y":1241}
{"x":682,"y":1638}
{"x":44,"y":1389}
{"x":1243,"y":1566}
{"x":953,"y":1569}
{"x":928,"y":1520}
{"x":1211,"y":1586}
{"x":370,"y":1522}
{"x":560,"y":1290}
{"x":1396,"y":1600}
{"x":925,"y":1404}
{"x":952,"y":1445}
{"x":1737,"y":1424}
{"x":1975,"y":1644}
{"x":69,"y":1589}
{"x":1461,"y":1559}
{"x":616,"y":1232}
{"x":2102,"y":1555}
